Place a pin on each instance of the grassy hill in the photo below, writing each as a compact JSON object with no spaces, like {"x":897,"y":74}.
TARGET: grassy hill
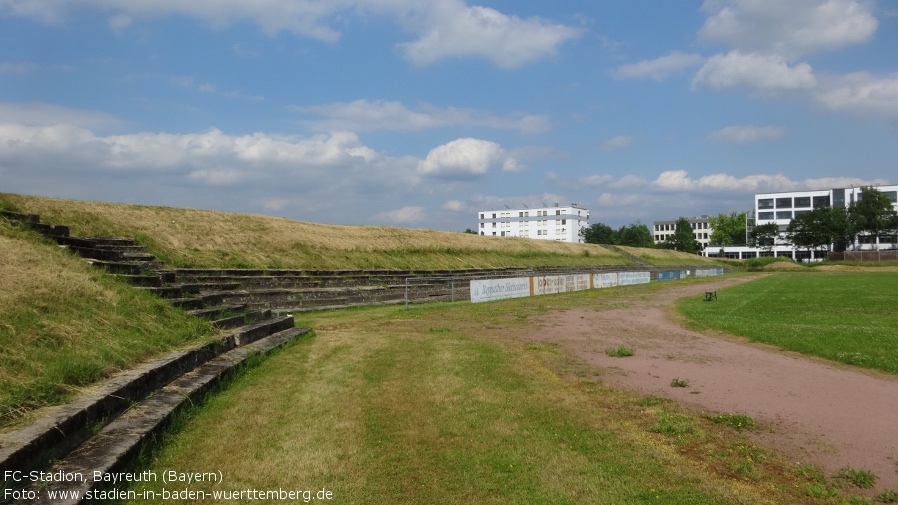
{"x":211,"y":239}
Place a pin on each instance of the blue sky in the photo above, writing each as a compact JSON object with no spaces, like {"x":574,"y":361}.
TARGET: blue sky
{"x":420,"y":113}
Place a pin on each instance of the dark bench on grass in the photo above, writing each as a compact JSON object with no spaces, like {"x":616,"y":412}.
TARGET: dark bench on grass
{"x":710,"y":295}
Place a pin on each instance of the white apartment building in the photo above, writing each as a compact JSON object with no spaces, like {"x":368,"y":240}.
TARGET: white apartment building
{"x":781,"y":208}
{"x":546,"y":223}
{"x":701,"y":230}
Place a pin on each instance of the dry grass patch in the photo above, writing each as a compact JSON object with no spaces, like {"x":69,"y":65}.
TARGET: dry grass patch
{"x":202,"y":238}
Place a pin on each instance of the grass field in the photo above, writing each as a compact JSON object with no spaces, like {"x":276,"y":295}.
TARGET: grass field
{"x":442,"y":404}
{"x":849,"y":317}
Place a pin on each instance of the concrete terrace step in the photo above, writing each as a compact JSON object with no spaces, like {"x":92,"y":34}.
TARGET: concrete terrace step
{"x":64,"y":427}
{"x":118,"y":443}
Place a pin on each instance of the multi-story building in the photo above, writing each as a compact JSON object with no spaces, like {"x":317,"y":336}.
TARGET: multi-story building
{"x":781,"y":208}
{"x":701,"y":230}
{"x":547,"y":223}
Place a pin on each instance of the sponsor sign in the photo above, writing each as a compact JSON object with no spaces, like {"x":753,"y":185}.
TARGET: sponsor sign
{"x":604,"y":280}
{"x":631,"y":278}
{"x":709,"y":272}
{"x":499,"y":289}
{"x":548,"y":284}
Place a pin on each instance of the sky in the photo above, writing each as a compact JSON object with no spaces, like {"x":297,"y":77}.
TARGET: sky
{"x":419,"y":113}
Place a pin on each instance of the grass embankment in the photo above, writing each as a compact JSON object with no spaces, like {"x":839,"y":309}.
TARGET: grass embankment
{"x":65,"y":324}
{"x":848,"y":317}
{"x":211,"y":239}
{"x":442,"y":404}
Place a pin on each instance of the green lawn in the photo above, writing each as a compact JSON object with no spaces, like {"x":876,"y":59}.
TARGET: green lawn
{"x":443,"y":404}
{"x":849,"y":317}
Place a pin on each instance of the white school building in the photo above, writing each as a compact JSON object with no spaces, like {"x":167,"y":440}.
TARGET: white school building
{"x":542,"y":223}
{"x":781,"y":208}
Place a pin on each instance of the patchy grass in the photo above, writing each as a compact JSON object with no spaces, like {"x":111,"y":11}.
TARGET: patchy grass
{"x":441,"y":404}
{"x":849,"y":317}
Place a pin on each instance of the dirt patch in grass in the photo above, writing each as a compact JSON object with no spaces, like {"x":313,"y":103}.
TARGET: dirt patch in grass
{"x":813,"y":411}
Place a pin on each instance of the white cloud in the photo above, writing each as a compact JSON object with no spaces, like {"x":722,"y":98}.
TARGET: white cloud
{"x":405,"y":215}
{"x":790,"y":28}
{"x":861,"y":93}
{"x":364,"y":115}
{"x":446,"y":28}
{"x":454,"y":29}
{"x":660,"y":68}
{"x":747,"y":134}
{"x":619,"y":142}
{"x":465,"y":158}
{"x":765,"y":72}
{"x":17,"y":68}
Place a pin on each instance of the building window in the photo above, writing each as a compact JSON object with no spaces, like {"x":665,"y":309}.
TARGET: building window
{"x":784,"y":214}
{"x":557,"y":212}
{"x":481,"y":215}
{"x":765,"y":215}
{"x":564,"y":221}
{"x":802,"y":201}
{"x":893,"y":196}
{"x":821,"y":201}
{"x":765,"y":203}
{"x":783,"y":203}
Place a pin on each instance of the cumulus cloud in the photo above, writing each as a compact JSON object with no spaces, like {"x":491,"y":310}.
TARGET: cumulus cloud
{"x":861,"y":93}
{"x":455,"y":29}
{"x":618,"y":142}
{"x":659,"y":68}
{"x":465,"y":158}
{"x":747,"y":134}
{"x":445,"y":28}
{"x":788,"y":28}
{"x":765,"y":72}
{"x":365,"y":115}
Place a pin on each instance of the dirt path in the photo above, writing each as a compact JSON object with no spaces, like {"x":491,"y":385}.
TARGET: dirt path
{"x":813,"y":411}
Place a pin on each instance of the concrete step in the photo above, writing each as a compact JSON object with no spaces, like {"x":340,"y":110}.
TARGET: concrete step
{"x":150,"y":281}
{"x":65,"y":427}
{"x":120,"y":441}
{"x":218,"y":312}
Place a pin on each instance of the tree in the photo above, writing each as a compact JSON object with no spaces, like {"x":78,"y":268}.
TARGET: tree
{"x":683,"y":238}
{"x":598,"y":233}
{"x":635,"y":235}
{"x":872,"y":213}
{"x":812,"y":230}
{"x":765,"y":235}
{"x":728,"y":229}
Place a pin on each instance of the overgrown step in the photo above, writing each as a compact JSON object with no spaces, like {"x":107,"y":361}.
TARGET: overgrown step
{"x":119,"y":442}
{"x":65,"y":427}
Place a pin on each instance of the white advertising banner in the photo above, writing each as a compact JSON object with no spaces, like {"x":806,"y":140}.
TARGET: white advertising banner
{"x":549,"y":284}
{"x":604,"y":280}
{"x":709,"y":272}
{"x":631,"y":278}
{"x":498,"y":289}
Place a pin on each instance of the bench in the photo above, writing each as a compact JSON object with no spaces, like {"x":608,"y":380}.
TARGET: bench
{"x":710,"y":295}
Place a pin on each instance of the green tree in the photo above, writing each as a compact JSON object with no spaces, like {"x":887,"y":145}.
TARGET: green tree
{"x":728,"y":229}
{"x":635,"y":235}
{"x":765,"y":235}
{"x":598,"y":233}
{"x":841,"y":227}
{"x":683,"y":238}
{"x":872,"y":213}
{"x":812,"y":230}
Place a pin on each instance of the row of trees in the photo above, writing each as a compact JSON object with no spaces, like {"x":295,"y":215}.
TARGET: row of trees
{"x":726,"y":230}
{"x":635,"y":235}
{"x":871,"y":215}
